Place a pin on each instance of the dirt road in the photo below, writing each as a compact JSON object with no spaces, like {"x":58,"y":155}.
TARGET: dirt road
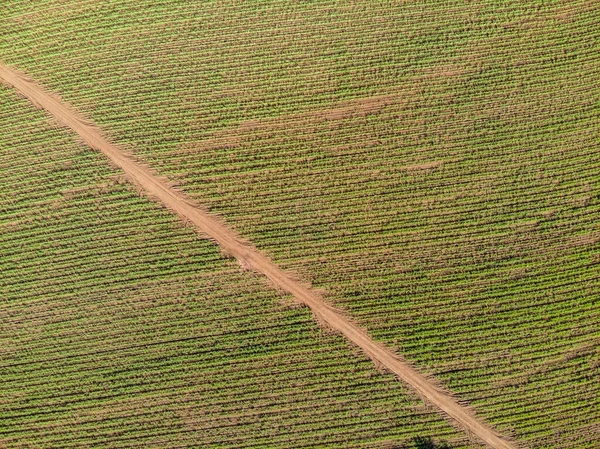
{"x":249,"y":257}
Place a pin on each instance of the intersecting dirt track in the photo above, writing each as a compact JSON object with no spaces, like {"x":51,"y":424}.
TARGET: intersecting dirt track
{"x":159,"y":189}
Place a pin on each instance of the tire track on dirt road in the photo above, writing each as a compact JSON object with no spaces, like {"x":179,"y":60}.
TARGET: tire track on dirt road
{"x":249,"y":257}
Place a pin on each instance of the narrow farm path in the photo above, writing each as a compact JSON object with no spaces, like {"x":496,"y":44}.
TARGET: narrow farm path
{"x":209,"y":226}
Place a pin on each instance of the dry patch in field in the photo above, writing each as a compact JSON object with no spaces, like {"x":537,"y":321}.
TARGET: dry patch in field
{"x":234,"y":137}
{"x":426,"y":166}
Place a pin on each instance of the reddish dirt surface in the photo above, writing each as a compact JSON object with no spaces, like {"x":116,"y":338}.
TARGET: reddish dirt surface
{"x":249,"y":257}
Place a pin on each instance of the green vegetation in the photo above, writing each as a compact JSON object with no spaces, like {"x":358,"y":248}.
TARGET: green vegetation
{"x":121,"y":328}
{"x":428,"y":443}
{"x":432,"y":165}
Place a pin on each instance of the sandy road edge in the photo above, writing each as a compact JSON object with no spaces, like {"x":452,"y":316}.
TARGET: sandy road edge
{"x":210,"y":226}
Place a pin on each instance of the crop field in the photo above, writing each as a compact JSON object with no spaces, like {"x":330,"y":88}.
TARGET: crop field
{"x":121,"y":328}
{"x":433,"y":167}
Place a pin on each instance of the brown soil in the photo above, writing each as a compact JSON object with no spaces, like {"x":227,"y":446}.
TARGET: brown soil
{"x":422,"y":167}
{"x":249,"y":257}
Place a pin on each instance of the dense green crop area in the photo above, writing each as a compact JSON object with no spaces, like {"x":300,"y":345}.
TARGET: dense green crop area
{"x":432,"y":165}
{"x":121,"y":328}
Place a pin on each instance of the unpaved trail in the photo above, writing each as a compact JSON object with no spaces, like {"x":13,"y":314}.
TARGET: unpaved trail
{"x":208,"y":225}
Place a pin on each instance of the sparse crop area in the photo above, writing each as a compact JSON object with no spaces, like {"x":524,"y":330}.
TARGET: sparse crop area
{"x":433,"y":167}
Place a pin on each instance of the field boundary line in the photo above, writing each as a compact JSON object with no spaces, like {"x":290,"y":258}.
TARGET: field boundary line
{"x":209,"y":226}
